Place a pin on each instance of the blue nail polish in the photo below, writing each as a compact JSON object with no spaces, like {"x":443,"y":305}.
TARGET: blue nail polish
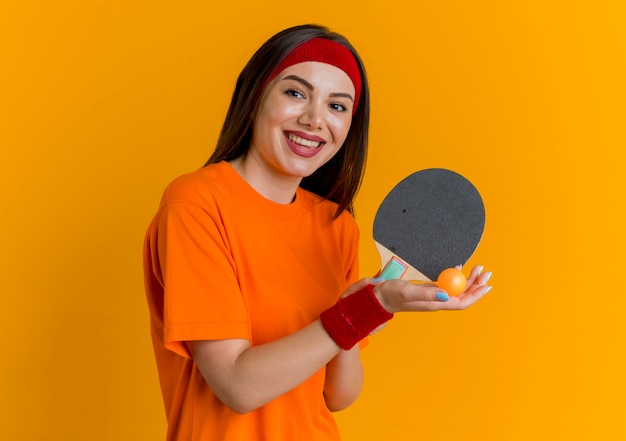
{"x":487,"y":290}
{"x":442,"y":296}
{"x":378,"y":279}
{"x":488,"y":277}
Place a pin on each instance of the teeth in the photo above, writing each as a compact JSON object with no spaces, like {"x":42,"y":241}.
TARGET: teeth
{"x":304,"y":142}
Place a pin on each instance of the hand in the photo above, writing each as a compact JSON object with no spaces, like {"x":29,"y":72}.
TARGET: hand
{"x":401,"y":295}
{"x":356,"y":286}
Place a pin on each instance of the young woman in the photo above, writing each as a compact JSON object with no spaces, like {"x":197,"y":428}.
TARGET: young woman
{"x":251,"y":262}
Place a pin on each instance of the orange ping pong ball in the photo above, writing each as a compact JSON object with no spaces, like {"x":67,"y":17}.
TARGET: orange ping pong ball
{"x":452,"y":280}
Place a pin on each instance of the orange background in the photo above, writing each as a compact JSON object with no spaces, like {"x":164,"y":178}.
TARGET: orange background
{"x":103,"y":103}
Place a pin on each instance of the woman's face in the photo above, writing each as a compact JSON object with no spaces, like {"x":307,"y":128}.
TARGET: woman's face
{"x":302,"y":120}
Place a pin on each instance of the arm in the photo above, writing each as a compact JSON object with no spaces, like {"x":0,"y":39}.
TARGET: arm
{"x":344,"y":373}
{"x":344,"y":379}
{"x":245,"y":378}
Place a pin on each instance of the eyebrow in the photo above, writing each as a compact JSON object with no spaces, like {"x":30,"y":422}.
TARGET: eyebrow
{"x":309,"y":86}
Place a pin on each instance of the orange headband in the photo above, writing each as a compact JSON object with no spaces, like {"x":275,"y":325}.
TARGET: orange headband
{"x":324,"y":51}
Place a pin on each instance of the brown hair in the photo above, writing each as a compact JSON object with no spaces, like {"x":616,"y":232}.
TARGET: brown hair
{"x":340,"y":178}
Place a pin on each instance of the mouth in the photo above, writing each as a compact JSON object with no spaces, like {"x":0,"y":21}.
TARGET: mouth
{"x":304,"y":142}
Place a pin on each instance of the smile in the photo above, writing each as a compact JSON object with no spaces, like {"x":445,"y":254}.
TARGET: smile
{"x":303,"y":142}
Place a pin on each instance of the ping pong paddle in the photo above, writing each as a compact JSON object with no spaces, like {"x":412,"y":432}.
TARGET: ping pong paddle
{"x":430,"y":221}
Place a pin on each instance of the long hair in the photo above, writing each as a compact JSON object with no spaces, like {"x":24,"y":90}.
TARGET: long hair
{"x":340,"y":178}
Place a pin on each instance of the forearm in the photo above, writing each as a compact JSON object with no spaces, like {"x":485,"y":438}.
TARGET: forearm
{"x":246,"y":378}
{"x":344,"y":379}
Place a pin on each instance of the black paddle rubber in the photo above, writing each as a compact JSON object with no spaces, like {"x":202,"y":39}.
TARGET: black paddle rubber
{"x":433,"y":220}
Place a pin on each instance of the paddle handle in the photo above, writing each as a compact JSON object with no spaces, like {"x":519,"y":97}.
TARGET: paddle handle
{"x":396,"y":268}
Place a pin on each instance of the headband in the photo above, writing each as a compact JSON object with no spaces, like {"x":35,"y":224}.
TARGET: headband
{"x":324,"y":51}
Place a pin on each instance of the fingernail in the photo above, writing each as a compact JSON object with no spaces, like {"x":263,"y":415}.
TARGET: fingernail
{"x":459,"y":267}
{"x":442,"y":296}
{"x":487,"y":290}
{"x":378,"y":279}
{"x":488,"y":276}
{"x":480,"y":269}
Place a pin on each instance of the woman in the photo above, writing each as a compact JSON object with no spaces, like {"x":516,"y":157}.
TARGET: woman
{"x":251,"y":263}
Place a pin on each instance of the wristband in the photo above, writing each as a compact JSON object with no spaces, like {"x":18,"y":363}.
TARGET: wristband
{"x":354,"y":317}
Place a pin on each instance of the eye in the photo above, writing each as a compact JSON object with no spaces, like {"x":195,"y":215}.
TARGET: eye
{"x":338,"y":107}
{"x":294,"y":93}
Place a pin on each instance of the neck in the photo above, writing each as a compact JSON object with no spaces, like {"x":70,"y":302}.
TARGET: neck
{"x":276,"y":188}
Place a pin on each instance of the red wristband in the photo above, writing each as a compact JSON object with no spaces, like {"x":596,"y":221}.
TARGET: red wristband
{"x":353,"y":318}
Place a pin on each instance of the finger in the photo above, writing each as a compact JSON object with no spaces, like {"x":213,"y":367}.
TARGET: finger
{"x":480,"y":281}
{"x":356,"y":286}
{"x":484,"y":278}
{"x":429,"y":293}
{"x":477,"y":294}
{"x":474,"y":273}
{"x":401,"y":295}
{"x":459,"y":303}
{"x":472,"y":295}
{"x":478,"y":276}
{"x":429,"y":298}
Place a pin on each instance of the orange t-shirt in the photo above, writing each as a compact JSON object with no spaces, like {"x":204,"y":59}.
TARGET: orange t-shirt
{"x":220,"y":262}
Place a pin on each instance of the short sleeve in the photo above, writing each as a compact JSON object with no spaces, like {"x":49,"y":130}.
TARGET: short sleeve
{"x":202,"y":299}
{"x":351,"y":237}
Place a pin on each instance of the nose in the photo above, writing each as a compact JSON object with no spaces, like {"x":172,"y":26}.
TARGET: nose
{"x":311,"y":116}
